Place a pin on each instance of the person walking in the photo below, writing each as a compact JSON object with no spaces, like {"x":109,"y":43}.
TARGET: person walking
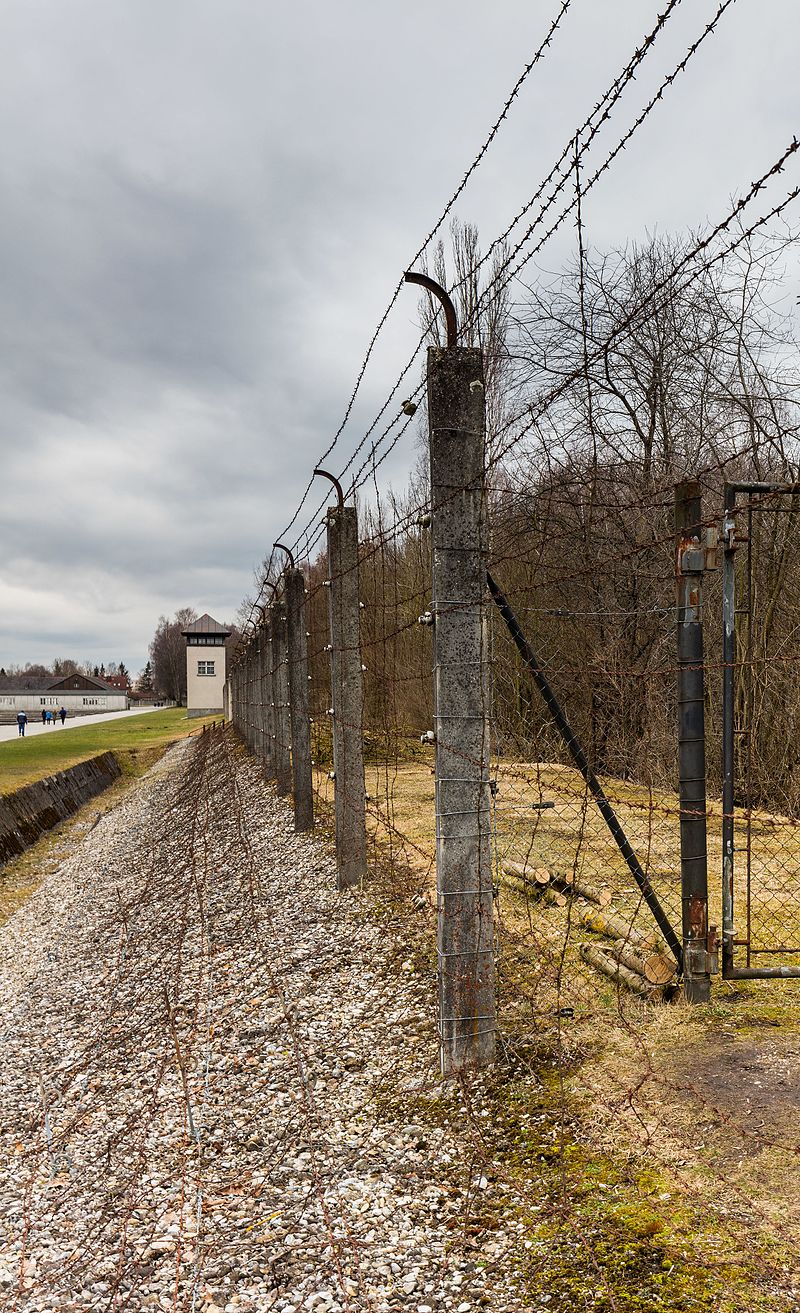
{"x":22,"y":721}
{"x":44,"y":715}
{"x":47,"y":718}
{"x":63,"y":714}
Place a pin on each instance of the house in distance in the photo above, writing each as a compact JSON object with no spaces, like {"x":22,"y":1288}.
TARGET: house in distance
{"x":205,"y":665}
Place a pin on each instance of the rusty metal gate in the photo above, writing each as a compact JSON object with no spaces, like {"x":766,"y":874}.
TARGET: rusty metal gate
{"x":761,"y":731}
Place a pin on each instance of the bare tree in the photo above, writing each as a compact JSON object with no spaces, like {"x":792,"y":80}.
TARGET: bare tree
{"x":64,"y":666}
{"x":168,"y":655}
{"x":656,"y":378}
{"x":663,"y":373}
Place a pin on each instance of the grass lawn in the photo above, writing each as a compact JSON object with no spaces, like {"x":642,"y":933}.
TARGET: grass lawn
{"x":137,"y":741}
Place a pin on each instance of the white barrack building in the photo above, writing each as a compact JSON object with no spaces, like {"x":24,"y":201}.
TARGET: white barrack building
{"x":79,"y":694}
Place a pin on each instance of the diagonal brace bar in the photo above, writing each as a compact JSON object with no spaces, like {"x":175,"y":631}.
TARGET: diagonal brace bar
{"x":582,"y":762}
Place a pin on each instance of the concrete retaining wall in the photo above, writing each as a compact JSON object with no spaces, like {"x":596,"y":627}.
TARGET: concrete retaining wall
{"x":30,"y":812}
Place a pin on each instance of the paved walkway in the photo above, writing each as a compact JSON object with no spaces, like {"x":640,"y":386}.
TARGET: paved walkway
{"x":72,"y":722}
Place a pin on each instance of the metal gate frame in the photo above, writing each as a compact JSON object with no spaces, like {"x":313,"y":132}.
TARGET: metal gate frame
{"x":729,"y":942}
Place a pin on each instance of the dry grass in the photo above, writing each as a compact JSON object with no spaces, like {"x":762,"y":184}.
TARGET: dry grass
{"x":571,"y":836}
{"x":707,"y":1096}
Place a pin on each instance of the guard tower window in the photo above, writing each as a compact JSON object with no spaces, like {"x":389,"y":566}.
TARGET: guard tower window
{"x":205,"y":667}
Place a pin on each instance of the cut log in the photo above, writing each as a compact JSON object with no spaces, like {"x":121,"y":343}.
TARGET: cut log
{"x":603,"y":961}
{"x":655,"y":967}
{"x":564,"y":880}
{"x":548,"y":895}
{"x":540,"y":893}
{"x":530,"y":874}
{"x":614,"y":926}
{"x":572,"y":884}
{"x":533,"y":888}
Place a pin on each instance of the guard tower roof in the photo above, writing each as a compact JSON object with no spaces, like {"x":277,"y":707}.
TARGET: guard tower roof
{"x":205,"y":625}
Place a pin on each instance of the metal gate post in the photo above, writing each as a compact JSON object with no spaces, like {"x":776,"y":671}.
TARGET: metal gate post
{"x":698,"y":943}
{"x":728,"y":670}
{"x":459,"y":540}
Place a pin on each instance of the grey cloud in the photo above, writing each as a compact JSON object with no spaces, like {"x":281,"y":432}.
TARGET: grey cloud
{"x":205,"y":209}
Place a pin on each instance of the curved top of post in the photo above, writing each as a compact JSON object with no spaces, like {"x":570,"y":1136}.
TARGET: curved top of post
{"x":337,"y":485}
{"x":441,"y":295}
{"x":288,"y":553}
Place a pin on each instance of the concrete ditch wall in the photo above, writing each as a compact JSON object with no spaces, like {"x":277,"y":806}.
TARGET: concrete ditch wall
{"x":33,"y":810}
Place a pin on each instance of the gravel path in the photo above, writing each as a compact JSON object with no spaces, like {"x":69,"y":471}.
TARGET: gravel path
{"x":218,"y":1075}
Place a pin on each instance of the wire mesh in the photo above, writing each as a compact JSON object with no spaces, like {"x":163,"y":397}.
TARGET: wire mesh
{"x":764,"y":715}
{"x":624,"y":1150}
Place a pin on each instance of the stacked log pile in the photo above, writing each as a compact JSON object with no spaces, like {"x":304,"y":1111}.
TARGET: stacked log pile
{"x":633,"y":959}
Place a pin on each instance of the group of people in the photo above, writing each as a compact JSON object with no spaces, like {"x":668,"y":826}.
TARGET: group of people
{"x":48,"y":718}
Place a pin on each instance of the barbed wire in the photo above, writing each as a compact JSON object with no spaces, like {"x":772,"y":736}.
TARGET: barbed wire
{"x":598,"y":116}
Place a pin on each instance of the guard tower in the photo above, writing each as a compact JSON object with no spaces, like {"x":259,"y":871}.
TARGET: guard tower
{"x":205,"y":666}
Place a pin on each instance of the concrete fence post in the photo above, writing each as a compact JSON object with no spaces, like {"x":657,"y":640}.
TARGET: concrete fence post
{"x":698,"y":948}
{"x":243,"y":696}
{"x":240,"y":696}
{"x":302,"y":787}
{"x":248,"y":694}
{"x":347,"y":695}
{"x":252,"y":708}
{"x":235,"y":708}
{"x":255,"y":709}
{"x":465,"y":893}
{"x":259,"y":691}
{"x":265,"y":685}
{"x":280,"y":698}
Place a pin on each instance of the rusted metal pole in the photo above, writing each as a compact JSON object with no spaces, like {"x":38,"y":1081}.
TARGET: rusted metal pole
{"x":698,"y":948}
{"x":459,"y":540}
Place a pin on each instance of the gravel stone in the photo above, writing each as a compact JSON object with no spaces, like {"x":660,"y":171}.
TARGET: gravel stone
{"x":219,"y":1083}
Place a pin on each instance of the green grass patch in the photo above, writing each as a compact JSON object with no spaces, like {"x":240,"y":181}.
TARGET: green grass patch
{"x":137,"y":742}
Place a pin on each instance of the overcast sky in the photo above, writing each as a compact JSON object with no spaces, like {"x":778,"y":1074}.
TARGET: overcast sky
{"x":206,"y":205}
